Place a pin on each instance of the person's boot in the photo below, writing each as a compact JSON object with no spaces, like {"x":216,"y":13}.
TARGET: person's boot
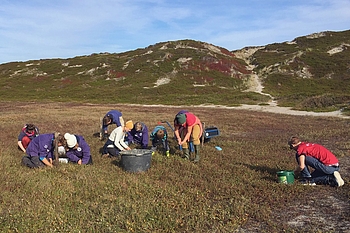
{"x":196,"y":150}
{"x":186,"y":153}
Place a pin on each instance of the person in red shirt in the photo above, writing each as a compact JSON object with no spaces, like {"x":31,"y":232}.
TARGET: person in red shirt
{"x":324,"y":163}
{"x":27,"y":134}
{"x":188,"y":129}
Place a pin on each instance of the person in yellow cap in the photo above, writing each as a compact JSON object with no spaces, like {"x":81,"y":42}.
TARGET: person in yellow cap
{"x":116,"y":140}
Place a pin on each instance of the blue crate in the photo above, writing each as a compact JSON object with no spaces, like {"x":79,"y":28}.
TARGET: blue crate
{"x":211,"y":132}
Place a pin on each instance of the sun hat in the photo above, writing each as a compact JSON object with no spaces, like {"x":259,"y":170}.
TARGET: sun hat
{"x":71,"y":140}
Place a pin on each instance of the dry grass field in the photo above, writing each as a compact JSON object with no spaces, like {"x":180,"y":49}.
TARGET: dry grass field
{"x":233,"y":190}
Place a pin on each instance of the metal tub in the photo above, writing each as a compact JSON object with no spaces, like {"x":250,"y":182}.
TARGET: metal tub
{"x":136,"y":160}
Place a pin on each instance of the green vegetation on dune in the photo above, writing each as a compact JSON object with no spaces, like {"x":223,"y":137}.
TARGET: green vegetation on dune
{"x":295,"y":74}
{"x":306,"y":69}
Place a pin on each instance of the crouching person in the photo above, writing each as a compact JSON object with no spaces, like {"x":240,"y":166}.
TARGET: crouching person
{"x":77,"y":151}
{"x":115,"y":142}
{"x":159,"y":137}
{"x":138,"y":135}
{"x":28,"y":132}
{"x":324,"y":163}
{"x":40,"y":150}
{"x":188,"y":129}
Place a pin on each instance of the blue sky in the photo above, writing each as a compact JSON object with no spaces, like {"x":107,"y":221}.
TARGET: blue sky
{"x":41,"y":29}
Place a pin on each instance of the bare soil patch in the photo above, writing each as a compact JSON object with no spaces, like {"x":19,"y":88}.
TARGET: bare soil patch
{"x":326,"y":207}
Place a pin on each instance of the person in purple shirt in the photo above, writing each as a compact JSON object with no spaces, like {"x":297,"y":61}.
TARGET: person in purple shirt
{"x":139,"y":135}
{"x":111,"y":117}
{"x":78,"y":151}
{"x":40,"y":150}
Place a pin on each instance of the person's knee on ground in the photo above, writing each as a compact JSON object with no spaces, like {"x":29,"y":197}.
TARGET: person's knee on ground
{"x":113,"y":151}
{"x":32,"y":162}
{"x":25,"y":141}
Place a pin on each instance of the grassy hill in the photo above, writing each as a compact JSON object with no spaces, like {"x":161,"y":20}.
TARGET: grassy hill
{"x":166,"y":73}
{"x":309,"y":73}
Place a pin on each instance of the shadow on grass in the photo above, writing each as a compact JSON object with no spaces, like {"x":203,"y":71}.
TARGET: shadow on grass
{"x":263,"y":169}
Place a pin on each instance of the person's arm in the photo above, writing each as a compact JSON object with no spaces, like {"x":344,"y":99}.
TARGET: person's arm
{"x":19,"y":141}
{"x":145,"y":138}
{"x":302,"y":162}
{"x":104,"y":127}
{"x":188,"y":134}
{"x":124,"y":146}
{"x":71,"y":156}
{"x":177,"y":134}
{"x":86,"y":152}
{"x":130,"y":137}
{"x":45,"y":155}
{"x":47,"y":162}
{"x":21,"y":146}
{"x":119,"y":138}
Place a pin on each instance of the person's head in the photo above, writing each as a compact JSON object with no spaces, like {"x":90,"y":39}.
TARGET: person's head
{"x":30,"y":128}
{"x":128,"y":125}
{"x":59,"y":142}
{"x":71,"y":140}
{"x":138,"y":126}
{"x":107,"y":119}
{"x":181,"y":119}
{"x":160,"y":134}
{"x":294,"y":143}
{"x":59,"y":139}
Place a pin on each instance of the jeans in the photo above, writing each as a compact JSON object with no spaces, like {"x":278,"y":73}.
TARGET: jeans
{"x":322,"y":174}
{"x":110,"y":148}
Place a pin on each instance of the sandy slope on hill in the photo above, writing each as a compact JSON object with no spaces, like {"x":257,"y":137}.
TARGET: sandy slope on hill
{"x":272,"y":108}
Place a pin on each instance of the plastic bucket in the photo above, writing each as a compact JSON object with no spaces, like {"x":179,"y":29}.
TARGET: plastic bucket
{"x":136,"y":160}
{"x":285,"y":177}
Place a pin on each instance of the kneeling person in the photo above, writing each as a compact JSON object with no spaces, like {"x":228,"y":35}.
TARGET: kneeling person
{"x":40,"y":150}
{"x":159,"y":137}
{"x":138,"y":135}
{"x":28,"y":132}
{"x":116,"y":141}
{"x":324,"y":163}
{"x":78,"y":151}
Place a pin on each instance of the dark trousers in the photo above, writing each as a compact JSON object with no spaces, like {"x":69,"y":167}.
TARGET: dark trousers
{"x":90,"y":160}
{"x":113,"y":151}
{"x":32,"y":162}
{"x":158,"y":142}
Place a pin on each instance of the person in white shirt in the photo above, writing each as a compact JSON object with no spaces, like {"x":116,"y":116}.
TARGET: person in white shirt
{"x":116,"y":140}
